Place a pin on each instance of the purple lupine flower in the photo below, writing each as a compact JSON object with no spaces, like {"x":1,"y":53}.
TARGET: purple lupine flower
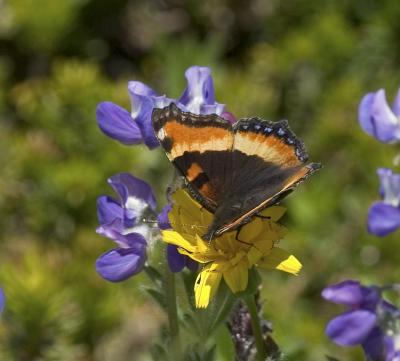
{"x":2,"y":300}
{"x":121,"y":221}
{"x":361,"y":324}
{"x":136,"y":127}
{"x":176,"y":261}
{"x":392,"y":348}
{"x":378,"y":119}
{"x":384,"y":216}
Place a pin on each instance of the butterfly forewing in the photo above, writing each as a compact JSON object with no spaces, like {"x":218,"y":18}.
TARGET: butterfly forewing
{"x":200,"y":148}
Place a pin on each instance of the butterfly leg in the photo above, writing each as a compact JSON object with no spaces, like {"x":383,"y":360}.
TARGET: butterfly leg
{"x":262,"y":217}
{"x":237,"y":236}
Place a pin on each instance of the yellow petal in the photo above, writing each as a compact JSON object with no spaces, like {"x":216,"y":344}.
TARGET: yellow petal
{"x":177,"y":239}
{"x":281,"y":260}
{"x":253,"y":256}
{"x":251,"y":230}
{"x":187,"y":215}
{"x":264,"y":246}
{"x":206,"y":285}
{"x":274,"y":212}
{"x":237,"y":277}
{"x":200,"y":256}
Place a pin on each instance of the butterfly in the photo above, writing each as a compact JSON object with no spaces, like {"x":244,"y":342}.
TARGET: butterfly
{"x":234,"y":171}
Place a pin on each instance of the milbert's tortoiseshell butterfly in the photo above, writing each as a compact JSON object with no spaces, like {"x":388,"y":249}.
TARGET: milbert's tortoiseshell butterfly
{"x":234,"y":171}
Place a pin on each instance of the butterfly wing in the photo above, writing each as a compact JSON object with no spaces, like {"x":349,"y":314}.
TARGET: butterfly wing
{"x":232,"y":172}
{"x":200,"y":148}
{"x":268,"y":163}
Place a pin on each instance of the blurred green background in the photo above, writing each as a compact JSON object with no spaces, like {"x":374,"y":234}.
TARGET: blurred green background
{"x":306,"y":61}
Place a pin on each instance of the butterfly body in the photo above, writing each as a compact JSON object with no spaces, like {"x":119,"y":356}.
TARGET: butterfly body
{"x":233,"y":171}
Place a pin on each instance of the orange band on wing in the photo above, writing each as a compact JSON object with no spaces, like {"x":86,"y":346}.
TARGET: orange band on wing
{"x":269,"y":147}
{"x":196,"y":139}
{"x":193,"y":171}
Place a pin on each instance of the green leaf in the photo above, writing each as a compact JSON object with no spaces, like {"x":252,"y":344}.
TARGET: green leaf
{"x":153,"y":274}
{"x":253,"y":285}
{"x":210,"y":354}
{"x":157,"y":296}
{"x":189,"y":278}
{"x":158,"y":352}
{"x":225,"y":346}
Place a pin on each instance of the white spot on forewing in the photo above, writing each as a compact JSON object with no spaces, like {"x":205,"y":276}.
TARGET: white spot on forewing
{"x":161,"y":134}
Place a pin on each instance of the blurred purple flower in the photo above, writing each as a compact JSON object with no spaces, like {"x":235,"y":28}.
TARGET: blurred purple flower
{"x":359,"y":325}
{"x":136,"y":127}
{"x":392,"y":348}
{"x":121,"y":221}
{"x":2,"y":300}
{"x":384,"y":216}
{"x":176,"y":261}
{"x":378,"y":119}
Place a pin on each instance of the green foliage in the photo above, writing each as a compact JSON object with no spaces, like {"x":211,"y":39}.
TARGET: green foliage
{"x":307,"y":61}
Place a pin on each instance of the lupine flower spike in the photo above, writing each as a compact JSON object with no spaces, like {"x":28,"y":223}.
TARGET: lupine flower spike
{"x":362,"y":324}
{"x":384,"y":215}
{"x":378,"y":119}
{"x":121,"y":221}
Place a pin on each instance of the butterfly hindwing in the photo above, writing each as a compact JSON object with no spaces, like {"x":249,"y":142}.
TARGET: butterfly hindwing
{"x":268,"y":162}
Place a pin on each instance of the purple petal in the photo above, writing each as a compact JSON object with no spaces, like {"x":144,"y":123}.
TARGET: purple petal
{"x":374,"y":345}
{"x":347,"y":293}
{"x":142,"y":102}
{"x":118,"y":124}
{"x":198,"y":96}
{"x":108,"y":210}
{"x":200,"y":88}
{"x":176,"y":261}
{"x":384,"y":122}
{"x":389,"y":186}
{"x":2,"y":300}
{"x":392,"y":352}
{"x":137,"y":87}
{"x":364,"y":113}
{"x":111,"y":230}
{"x":383,"y":219}
{"x":142,"y":115}
{"x":229,"y":117}
{"x":135,"y":194}
{"x":351,"y":328}
{"x":118,"y":264}
{"x":191,"y":264}
{"x":396,"y":104}
{"x":162,"y":218}
{"x":162,"y":101}
{"x":134,"y":241}
{"x":212,"y":109}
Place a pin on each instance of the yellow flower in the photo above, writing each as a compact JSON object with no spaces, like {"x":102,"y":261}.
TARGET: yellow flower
{"x":230,"y":255}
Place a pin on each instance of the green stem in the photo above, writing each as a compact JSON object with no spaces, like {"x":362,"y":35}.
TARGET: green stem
{"x":170,"y":291}
{"x":256,"y":327}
